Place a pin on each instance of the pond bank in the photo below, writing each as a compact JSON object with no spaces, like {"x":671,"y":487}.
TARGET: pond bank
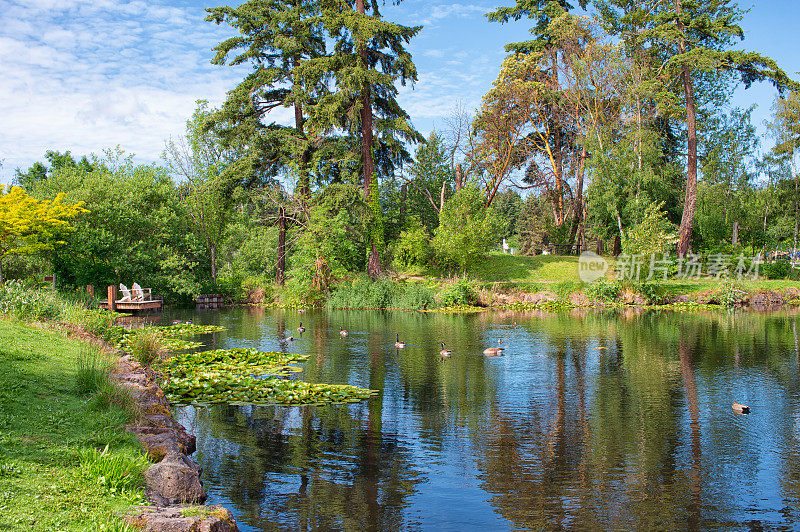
{"x":53,"y":477}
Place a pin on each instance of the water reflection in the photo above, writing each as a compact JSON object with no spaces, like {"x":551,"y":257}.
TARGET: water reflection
{"x":590,"y":420}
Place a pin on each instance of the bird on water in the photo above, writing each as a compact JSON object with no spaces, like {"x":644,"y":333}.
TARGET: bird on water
{"x":740,"y":409}
{"x":398,"y":344}
{"x":301,"y":329}
{"x":493,"y":351}
{"x":342,"y":332}
{"x":445,"y":353}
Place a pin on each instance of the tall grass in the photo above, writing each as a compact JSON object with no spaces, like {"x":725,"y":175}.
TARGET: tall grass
{"x":116,"y":472}
{"x":381,"y":294}
{"x":145,"y":346}
{"x":92,"y":373}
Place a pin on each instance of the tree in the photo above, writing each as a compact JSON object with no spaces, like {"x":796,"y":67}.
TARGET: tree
{"x":28,"y":225}
{"x":39,"y":171}
{"x":695,"y":38}
{"x":201,"y":160}
{"x":276,"y":37}
{"x":467,"y":229}
{"x":428,"y":178}
{"x":369,"y":58}
{"x":785,"y":128}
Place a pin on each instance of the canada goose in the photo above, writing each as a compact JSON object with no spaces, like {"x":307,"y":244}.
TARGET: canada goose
{"x":342,"y":332}
{"x":740,"y":409}
{"x":176,"y":322}
{"x":286,"y":340}
{"x":398,"y":344}
{"x":301,"y":310}
{"x":445,"y":353}
{"x":301,"y":329}
{"x":493,"y":351}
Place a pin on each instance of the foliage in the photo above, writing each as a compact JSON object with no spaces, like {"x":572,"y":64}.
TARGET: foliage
{"x":145,"y":346}
{"x":92,"y":372}
{"x":429,"y":175}
{"x":413,"y":247}
{"x":460,"y":292}
{"x":29,"y":225}
{"x":654,"y":234}
{"x":467,"y":230}
{"x":778,"y":269}
{"x":603,"y":290}
{"x":116,"y":472}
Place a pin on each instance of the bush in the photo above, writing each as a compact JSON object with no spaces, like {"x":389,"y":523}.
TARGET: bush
{"x":117,"y":473}
{"x":362,"y":293}
{"x":602,"y":290}
{"x":413,"y":248}
{"x":29,"y":304}
{"x":654,"y":293}
{"x":145,"y":346}
{"x":460,"y":292}
{"x":467,"y":230}
{"x":779,"y":269}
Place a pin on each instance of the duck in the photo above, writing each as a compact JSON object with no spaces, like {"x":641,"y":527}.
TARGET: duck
{"x":286,"y":340}
{"x":301,"y":329}
{"x":740,"y":409}
{"x":445,"y":353}
{"x":176,"y":322}
{"x":398,"y":344}
{"x":342,"y":332}
{"x":493,"y":351}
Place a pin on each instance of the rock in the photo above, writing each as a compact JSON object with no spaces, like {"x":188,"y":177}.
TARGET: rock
{"x":158,"y":446}
{"x":182,"y":519}
{"x":176,"y":478}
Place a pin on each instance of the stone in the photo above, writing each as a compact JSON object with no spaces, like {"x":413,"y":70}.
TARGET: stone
{"x":182,"y":519}
{"x":158,"y":446}
{"x":176,"y":478}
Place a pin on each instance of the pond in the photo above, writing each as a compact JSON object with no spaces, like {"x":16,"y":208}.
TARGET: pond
{"x":588,"y":421}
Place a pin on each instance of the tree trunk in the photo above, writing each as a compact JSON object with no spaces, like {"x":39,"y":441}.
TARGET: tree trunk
{"x":617,"y":245}
{"x":735,"y":233}
{"x":280,"y":276}
{"x":403,"y":200}
{"x":794,"y":247}
{"x":577,"y":215}
{"x":687,"y":220}
{"x":214,"y":261}
{"x":302,"y":170}
{"x":459,"y":177}
{"x":558,"y":156}
{"x":374,"y":266}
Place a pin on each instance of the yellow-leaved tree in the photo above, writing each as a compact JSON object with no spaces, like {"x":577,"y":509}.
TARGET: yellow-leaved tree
{"x":29,"y":225}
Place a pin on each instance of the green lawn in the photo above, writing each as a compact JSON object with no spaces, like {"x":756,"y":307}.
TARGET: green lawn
{"x":45,"y":426}
{"x":543,"y":271}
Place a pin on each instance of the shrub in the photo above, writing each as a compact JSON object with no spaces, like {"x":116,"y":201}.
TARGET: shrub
{"x":92,"y":373}
{"x":362,"y":293}
{"x":111,"y":395}
{"x":467,"y":230}
{"x":654,"y":293}
{"x":27,"y":303}
{"x":413,"y":247}
{"x":779,"y":269}
{"x":461,"y":292}
{"x":564,"y":289}
{"x":603,"y":290}
{"x":116,"y":472}
{"x":145,"y":346}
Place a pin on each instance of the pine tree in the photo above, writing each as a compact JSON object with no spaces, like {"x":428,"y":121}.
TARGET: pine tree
{"x":276,"y":36}
{"x":369,"y":57}
{"x":695,"y":38}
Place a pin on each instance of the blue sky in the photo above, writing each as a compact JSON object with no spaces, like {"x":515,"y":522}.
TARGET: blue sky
{"x":86,"y":75}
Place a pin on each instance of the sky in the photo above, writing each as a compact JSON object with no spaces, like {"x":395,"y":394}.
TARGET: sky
{"x":90,"y":75}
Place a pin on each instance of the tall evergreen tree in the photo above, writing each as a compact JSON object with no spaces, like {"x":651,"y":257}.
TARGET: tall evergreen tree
{"x":276,"y":36}
{"x":696,"y":38}
{"x":369,"y":58}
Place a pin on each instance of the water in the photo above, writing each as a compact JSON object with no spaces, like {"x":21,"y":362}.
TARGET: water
{"x":589,"y":421}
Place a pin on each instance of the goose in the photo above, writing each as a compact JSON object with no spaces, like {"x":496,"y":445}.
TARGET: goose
{"x":740,"y":409}
{"x":342,"y":332}
{"x":301,"y":329}
{"x":286,"y":340}
{"x":445,"y":353}
{"x":398,"y":344}
{"x":493,"y":351}
{"x":176,"y":322}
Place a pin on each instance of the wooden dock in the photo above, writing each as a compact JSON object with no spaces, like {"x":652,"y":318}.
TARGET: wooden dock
{"x":133,"y":306}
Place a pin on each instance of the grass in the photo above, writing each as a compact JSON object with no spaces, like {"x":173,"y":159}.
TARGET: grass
{"x":50,"y":422}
